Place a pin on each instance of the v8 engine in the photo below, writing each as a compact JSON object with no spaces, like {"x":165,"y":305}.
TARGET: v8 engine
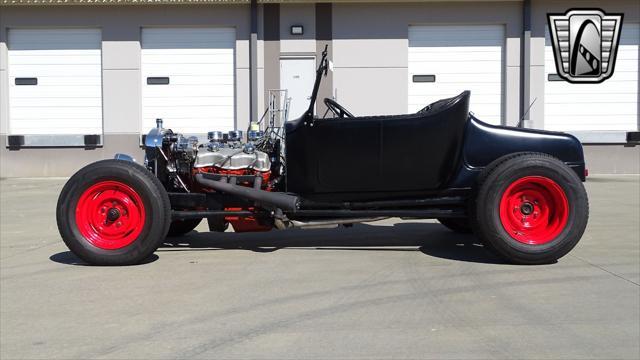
{"x":226,"y":156}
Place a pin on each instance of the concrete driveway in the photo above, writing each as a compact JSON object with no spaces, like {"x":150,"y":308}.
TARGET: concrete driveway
{"x":406,"y":290}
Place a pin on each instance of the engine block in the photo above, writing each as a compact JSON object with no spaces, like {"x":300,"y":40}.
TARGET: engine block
{"x":176,"y":159}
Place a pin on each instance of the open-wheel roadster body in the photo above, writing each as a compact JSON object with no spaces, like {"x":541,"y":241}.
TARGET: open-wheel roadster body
{"x":518,"y":190}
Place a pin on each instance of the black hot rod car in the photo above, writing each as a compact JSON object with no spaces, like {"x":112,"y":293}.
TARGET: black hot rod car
{"x":519,"y":191}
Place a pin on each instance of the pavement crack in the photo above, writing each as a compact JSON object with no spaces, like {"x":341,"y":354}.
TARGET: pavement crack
{"x":605,"y":270}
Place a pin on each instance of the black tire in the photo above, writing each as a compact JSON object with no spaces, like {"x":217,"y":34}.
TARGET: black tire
{"x":217,"y":224}
{"x":459,"y":225}
{"x":514,"y":169}
{"x":181,"y":227}
{"x":149,"y":231}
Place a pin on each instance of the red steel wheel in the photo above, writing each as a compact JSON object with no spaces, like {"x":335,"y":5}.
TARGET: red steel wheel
{"x":110,"y":215}
{"x":534,"y":210}
{"x":530,"y":208}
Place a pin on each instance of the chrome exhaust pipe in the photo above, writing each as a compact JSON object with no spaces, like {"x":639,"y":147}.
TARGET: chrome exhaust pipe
{"x":321,"y":224}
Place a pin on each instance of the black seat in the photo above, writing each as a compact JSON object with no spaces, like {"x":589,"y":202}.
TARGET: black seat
{"x":444,"y":104}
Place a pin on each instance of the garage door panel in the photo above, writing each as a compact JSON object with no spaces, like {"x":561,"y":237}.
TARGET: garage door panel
{"x":190,"y":61}
{"x":187,"y":101}
{"x":451,"y":67}
{"x":176,"y":82}
{"x":452,"y":36}
{"x":461,"y":58}
{"x":162,"y":51}
{"x":54,"y":39}
{"x":199,"y":62}
{"x":625,"y":66}
{"x":608,"y":106}
{"x":485,"y":98}
{"x":61,"y":58}
{"x":606,"y":90}
{"x":164,"y":57}
{"x":219,"y":80}
{"x":73,"y":70}
{"x":176,"y":93}
{"x":457,"y":56}
{"x":217,"y":111}
{"x":35,"y":128}
{"x":198,"y":38}
{"x":444,"y":80}
{"x":192,"y":101}
{"x":44,"y":81}
{"x":591,"y":123}
{"x":67,"y":82}
{"x":596,"y":109}
{"x":55,"y":102}
{"x":71,"y":112}
{"x":79,"y":93}
{"x":162,"y":70}
{"x":437,"y":69}
{"x":67,"y":98}
{"x":453,"y":90}
{"x":189,"y":126}
{"x":588,"y":98}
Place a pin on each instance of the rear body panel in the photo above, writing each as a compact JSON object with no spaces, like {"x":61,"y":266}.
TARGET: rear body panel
{"x":484,"y":143}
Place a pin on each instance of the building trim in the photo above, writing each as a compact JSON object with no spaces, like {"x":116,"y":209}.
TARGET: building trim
{"x":324,"y":37}
{"x":525,"y":69}
{"x":271,"y":31}
{"x":253,"y":63}
{"x":117,"y":2}
{"x":192,"y":2}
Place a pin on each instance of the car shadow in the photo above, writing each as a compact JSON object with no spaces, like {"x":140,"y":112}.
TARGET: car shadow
{"x":69,"y":258}
{"x":429,"y":238}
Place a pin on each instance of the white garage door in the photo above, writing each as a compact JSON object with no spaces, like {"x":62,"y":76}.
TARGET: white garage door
{"x":608,"y":106}
{"x":446,"y":60}
{"x":188,"y":79}
{"x":55,"y":82}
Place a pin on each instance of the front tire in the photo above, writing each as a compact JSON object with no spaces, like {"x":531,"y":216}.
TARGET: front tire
{"x":530,"y":209}
{"x":459,"y":225}
{"x":113,"y":212}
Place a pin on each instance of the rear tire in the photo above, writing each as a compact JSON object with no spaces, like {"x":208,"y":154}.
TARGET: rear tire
{"x":113,"y":212}
{"x":459,"y":225}
{"x":530,"y":209}
{"x":181,"y":227}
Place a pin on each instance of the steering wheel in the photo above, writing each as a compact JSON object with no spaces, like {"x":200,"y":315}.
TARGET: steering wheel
{"x":337,"y":109}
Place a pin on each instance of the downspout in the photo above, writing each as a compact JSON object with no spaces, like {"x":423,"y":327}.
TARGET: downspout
{"x":253,"y":63}
{"x":525,"y":66}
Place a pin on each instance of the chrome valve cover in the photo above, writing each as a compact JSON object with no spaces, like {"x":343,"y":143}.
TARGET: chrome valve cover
{"x":233,"y":159}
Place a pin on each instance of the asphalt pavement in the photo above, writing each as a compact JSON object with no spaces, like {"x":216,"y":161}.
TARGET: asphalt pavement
{"x":393,"y":289}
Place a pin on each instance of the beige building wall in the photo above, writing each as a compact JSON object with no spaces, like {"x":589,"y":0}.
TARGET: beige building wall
{"x":297,"y":14}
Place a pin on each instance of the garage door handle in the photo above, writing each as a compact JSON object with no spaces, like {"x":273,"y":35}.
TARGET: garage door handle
{"x":27,"y":81}
{"x":163,"y":80}
{"x":424,"y":78}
